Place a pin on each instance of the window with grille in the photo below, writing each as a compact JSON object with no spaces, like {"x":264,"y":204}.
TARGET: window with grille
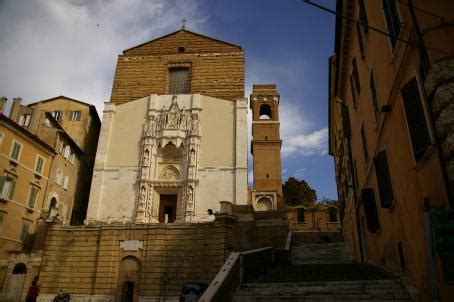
{"x":370,"y":209}
{"x":416,"y":120}
{"x":58,"y":115}
{"x":178,"y":80}
{"x":354,"y":83}
{"x":373,"y":93}
{"x":362,"y":28}
{"x":392,"y":20}
{"x":74,"y":115}
{"x":384,"y":180}
{"x":364,"y":142}
{"x":300,"y":215}
{"x":15,"y":151}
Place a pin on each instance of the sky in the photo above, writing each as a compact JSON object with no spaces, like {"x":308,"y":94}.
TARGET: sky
{"x":70,"y":47}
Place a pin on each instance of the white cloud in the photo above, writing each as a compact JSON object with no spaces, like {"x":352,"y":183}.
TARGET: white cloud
{"x":306,"y":144}
{"x":58,"y":47}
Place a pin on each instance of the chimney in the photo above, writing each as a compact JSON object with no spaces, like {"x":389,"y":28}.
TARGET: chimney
{"x":3,"y":101}
{"x":15,"y":109}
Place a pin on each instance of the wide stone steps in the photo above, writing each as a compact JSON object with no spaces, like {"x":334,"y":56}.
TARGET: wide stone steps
{"x":358,"y":290}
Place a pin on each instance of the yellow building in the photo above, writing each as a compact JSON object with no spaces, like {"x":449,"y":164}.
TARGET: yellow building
{"x":72,"y":128}
{"x":390,"y":131}
{"x":25,"y":162}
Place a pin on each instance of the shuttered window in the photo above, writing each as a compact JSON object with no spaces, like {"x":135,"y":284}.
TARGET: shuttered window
{"x":416,"y":119}
{"x":362,"y":28}
{"x":370,"y":209}
{"x":364,"y":142}
{"x":354,"y":83}
{"x":178,"y":80}
{"x":384,"y":180}
{"x":392,"y":20}
{"x":32,"y":196}
{"x":373,"y":93}
{"x":7,"y":186}
{"x":346,"y":121}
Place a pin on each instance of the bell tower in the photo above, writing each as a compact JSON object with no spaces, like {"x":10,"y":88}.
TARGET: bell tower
{"x":266,"y":148}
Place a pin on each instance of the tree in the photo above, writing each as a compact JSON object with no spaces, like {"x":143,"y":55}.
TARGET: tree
{"x":298,"y":192}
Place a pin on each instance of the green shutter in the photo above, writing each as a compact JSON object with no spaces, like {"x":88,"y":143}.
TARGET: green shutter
{"x":39,"y":165}
{"x":2,"y":182}
{"x":11,"y":190}
{"x":32,"y":197}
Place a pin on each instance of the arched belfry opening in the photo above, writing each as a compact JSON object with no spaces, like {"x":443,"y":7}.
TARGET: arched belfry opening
{"x":265,"y":112}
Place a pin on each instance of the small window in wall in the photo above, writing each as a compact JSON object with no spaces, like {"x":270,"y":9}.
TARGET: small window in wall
{"x":384,"y":180}
{"x":362,"y":28}
{"x":74,"y":115}
{"x":15,"y":151}
{"x":58,"y":115}
{"x":24,"y":230}
{"x":24,"y":120}
{"x":39,"y":164}
{"x":354,"y":83}
{"x":392,"y":20}
{"x":32,"y":194}
{"x":265,"y":112}
{"x":332,"y":214}
{"x":1,"y":138}
{"x":178,"y":80}
{"x":373,"y":93}
{"x":416,"y":120}
{"x":7,"y":186}
{"x":300,"y":215}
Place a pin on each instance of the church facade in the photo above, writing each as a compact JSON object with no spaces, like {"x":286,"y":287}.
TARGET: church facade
{"x":173,"y":140}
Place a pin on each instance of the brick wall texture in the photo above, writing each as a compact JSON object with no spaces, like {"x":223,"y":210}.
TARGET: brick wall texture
{"x":216,"y":67}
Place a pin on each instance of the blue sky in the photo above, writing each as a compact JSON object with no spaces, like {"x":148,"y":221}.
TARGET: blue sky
{"x":58,"y":47}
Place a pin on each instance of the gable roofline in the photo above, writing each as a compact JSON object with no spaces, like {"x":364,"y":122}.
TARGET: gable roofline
{"x":182,"y":30}
{"x":91,"y":106}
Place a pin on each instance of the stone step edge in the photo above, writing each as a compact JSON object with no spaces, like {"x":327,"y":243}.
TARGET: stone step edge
{"x":322,"y":283}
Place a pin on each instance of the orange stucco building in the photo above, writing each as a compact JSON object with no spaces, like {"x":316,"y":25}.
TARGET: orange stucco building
{"x":390,"y":128}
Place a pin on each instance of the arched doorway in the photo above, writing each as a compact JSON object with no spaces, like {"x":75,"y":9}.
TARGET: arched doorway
{"x":16,"y":284}
{"x":128,"y":279}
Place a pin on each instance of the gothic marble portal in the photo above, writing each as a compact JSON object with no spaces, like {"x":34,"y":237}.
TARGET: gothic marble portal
{"x":169,"y":158}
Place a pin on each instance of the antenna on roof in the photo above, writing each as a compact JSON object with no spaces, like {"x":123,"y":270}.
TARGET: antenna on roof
{"x":183,"y":26}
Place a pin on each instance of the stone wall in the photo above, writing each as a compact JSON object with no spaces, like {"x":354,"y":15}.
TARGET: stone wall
{"x":84,"y":261}
{"x":439,"y":86}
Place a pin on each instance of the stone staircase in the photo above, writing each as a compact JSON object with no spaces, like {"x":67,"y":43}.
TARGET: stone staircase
{"x":322,"y":272}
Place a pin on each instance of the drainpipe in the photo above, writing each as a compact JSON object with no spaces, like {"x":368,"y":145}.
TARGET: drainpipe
{"x":430,"y":250}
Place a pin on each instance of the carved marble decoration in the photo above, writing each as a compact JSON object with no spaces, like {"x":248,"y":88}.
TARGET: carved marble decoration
{"x":169,"y":174}
{"x":169,"y":148}
{"x":146,"y":157}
